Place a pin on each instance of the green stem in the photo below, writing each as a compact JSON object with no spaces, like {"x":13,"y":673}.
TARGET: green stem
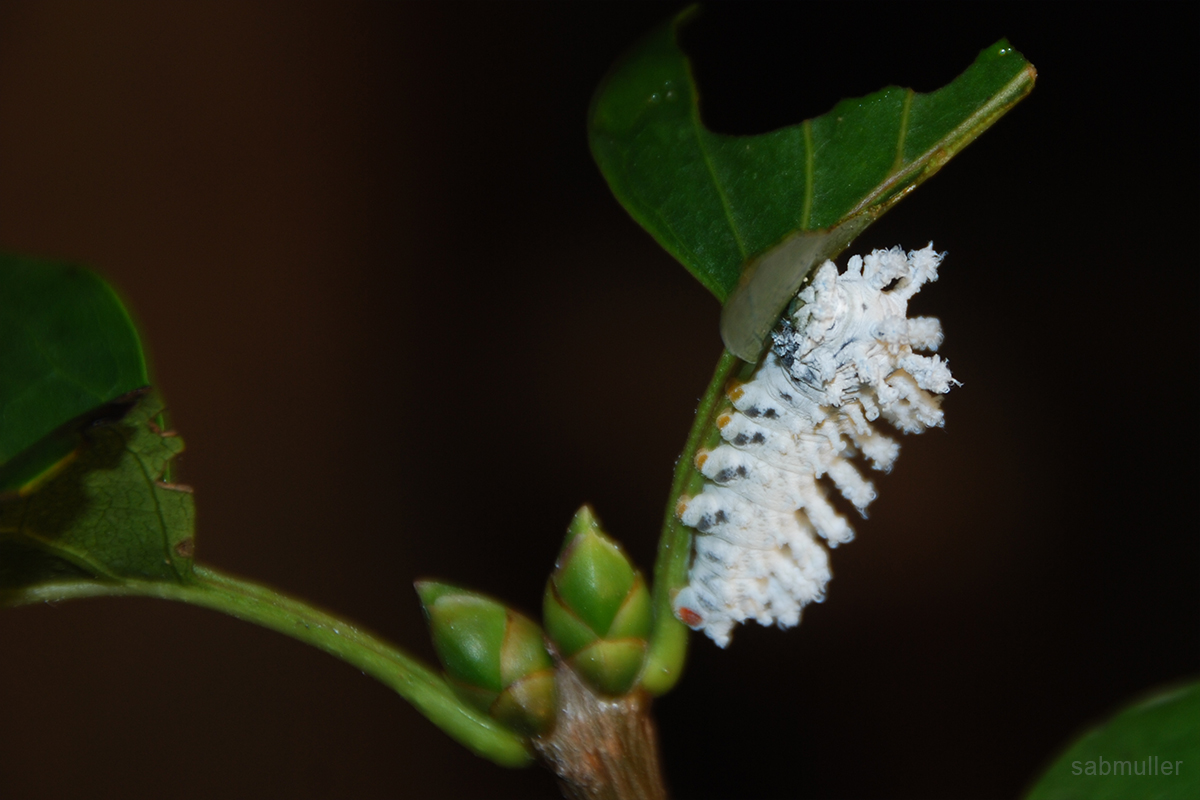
{"x":668,"y":641}
{"x":411,"y":679}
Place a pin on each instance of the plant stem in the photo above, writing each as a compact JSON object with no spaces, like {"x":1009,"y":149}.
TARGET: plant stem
{"x":602,"y":748}
{"x":668,"y":641}
{"x":388,"y":664}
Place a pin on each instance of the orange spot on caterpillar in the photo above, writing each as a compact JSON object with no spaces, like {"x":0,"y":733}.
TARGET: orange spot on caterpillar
{"x":689,"y":617}
{"x":701,"y":457}
{"x":724,"y":420}
{"x":681,"y":506}
{"x":734,"y":391}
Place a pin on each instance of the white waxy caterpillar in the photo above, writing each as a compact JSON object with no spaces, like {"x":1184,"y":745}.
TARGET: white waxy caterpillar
{"x":839,"y":362}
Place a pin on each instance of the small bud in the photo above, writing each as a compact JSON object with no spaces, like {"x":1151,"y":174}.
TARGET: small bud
{"x":597,"y":608}
{"x":495,"y":658}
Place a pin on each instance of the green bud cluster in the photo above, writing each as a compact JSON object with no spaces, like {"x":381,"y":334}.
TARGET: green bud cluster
{"x":597,"y":608}
{"x":495,"y":658}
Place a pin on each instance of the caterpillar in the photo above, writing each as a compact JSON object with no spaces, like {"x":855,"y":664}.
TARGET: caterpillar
{"x":842,"y":359}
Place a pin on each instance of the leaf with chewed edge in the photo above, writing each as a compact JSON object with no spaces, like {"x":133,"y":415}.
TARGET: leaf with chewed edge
{"x":750,"y":216}
{"x":108,"y":516}
{"x":87,"y":508}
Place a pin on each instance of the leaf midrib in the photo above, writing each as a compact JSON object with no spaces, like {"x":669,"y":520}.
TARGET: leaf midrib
{"x":1005,"y":97}
{"x":700,"y":131}
{"x":152,"y":485}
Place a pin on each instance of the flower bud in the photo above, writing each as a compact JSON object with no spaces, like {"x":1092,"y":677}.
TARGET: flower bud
{"x":597,"y":608}
{"x":495,"y":658}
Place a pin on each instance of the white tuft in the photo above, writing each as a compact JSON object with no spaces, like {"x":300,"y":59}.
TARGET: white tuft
{"x":841,"y":361}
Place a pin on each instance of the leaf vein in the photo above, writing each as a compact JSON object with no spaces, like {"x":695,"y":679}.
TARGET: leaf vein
{"x":58,"y":369}
{"x":699,"y":130}
{"x":806,"y":209}
{"x":78,"y":558}
{"x":152,"y":484}
{"x":949,"y":144}
{"x":899,"y":160}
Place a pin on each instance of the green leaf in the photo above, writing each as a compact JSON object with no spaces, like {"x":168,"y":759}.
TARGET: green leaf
{"x":1151,"y":749}
{"x":749,"y":216}
{"x":107,"y":517}
{"x":87,"y":509}
{"x":70,"y":349}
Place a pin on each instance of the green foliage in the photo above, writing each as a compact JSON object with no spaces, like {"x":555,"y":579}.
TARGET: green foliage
{"x":70,"y":348}
{"x":597,"y":608}
{"x":85,"y":495}
{"x":86,"y":502}
{"x":1150,"y":749}
{"x":495,"y":658}
{"x":87,"y":508}
{"x":723,"y":205}
{"x":108,"y":516}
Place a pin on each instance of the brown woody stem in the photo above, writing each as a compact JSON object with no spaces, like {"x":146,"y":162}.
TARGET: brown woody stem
{"x":602,"y":748}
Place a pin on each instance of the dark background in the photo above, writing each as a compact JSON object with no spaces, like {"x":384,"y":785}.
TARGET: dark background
{"x":406,"y":330}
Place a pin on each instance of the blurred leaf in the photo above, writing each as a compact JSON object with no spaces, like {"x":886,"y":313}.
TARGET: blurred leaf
{"x":1149,"y":750}
{"x":106,"y":517}
{"x":87,"y":507}
{"x":771,"y":206}
{"x":70,"y":349}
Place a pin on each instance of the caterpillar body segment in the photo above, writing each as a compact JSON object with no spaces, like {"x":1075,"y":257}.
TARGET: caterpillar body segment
{"x":803,"y":425}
